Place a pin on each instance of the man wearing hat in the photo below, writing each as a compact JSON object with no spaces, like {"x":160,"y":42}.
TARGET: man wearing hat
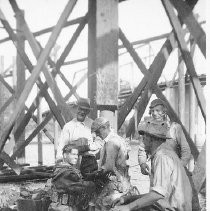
{"x":78,"y":130}
{"x":177,"y":141}
{"x":113,"y":157}
{"x":170,"y":188}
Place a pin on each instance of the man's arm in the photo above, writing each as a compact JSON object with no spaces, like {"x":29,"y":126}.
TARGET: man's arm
{"x":142,"y":159}
{"x":146,"y":200}
{"x":62,"y":141}
{"x":184,"y":146}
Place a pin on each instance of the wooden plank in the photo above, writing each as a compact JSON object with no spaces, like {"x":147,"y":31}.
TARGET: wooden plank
{"x":49,"y":29}
{"x":181,"y":89}
{"x":37,"y":50}
{"x":186,"y":15}
{"x":92,"y":66}
{"x":19,"y":80}
{"x":6,"y":104}
{"x":68,"y":84}
{"x":10,"y":89}
{"x":11,"y":163}
{"x":55,"y":71}
{"x":45,"y":121}
{"x":39,"y":136}
{"x":199,"y":173}
{"x":186,"y":56}
{"x":30,"y":68}
{"x":42,"y":59}
{"x":159,"y":61}
{"x":31,"y":114}
{"x":107,"y":53}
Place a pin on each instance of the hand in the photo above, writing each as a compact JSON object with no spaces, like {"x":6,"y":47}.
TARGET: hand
{"x":145,"y":169}
{"x":121,"y":208}
{"x":116,"y":202}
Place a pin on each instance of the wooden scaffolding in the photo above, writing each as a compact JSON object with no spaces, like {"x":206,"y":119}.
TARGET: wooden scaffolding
{"x":103,"y":35}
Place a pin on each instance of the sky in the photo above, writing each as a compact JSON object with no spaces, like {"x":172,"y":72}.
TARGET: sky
{"x":138,"y":20}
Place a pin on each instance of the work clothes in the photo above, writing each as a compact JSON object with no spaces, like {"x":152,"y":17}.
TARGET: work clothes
{"x":72,"y":131}
{"x":168,"y":178}
{"x":177,"y":142}
{"x":113,"y":157}
{"x":69,"y":188}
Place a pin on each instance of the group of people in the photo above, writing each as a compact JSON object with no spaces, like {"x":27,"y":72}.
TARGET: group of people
{"x":91,"y":149}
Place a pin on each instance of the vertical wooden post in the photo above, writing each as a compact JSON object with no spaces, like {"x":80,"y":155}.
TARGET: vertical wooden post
{"x":20,"y":82}
{"x":170,"y":96}
{"x":92,"y":57}
{"x":56,"y":125}
{"x":1,"y":92}
{"x":39,"y":136}
{"x":181,"y":89}
{"x":192,"y":121}
{"x":193,"y":111}
{"x":104,"y":58}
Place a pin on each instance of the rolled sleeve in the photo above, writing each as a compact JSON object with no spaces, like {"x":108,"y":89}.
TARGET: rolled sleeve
{"x":142,"y":156}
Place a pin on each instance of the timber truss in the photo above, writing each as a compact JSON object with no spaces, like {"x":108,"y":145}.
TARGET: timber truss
{"x":147,"y":86}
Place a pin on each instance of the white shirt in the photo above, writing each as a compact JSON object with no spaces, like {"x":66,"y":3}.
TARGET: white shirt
{"x":72,"y":131}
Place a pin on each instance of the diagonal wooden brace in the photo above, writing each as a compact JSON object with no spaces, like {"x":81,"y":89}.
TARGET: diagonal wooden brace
{"x":186,"y":56}
{"x":30,"y":82}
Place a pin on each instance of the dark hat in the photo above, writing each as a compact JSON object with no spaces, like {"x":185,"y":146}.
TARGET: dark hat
{"x":154,"y":128}
{"x":157,"y":102}
{"x":84,"y":103}
{"x":98,"y":122}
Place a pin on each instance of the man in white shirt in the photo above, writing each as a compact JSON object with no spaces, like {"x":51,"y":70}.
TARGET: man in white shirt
{"x":79,"y":130}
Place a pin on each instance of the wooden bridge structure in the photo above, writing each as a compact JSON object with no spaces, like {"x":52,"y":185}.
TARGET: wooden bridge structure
{"x":102,"y":75}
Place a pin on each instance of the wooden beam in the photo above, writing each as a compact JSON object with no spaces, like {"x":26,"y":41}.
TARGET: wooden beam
{"x":56,"y":70}
{"x":181,"y":88}
{"x":199,"y":172}
{"x":92,"y":64}
{"x":103,"y":58}
{"x":30,"y":68}
{"x":159,"y":61}
{"x":39,"y":136}
{"x":42,"y":59}
{"x":37,"y":50}
{"x":49,"y":29}
{"x":186,"y":56}
{"x":160,"y":58}
{"x":46,"y":120}
{"x":11,"y":163}
{"x":10,"y":89}
{"x":6,"y":104}
{"x":68,"y":84}
{"x":19,"y":80}
{"x":186,"y":15}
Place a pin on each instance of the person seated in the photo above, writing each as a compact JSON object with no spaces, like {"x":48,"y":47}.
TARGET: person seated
{"x":69,"y":187}
{"x":170,"y":186}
